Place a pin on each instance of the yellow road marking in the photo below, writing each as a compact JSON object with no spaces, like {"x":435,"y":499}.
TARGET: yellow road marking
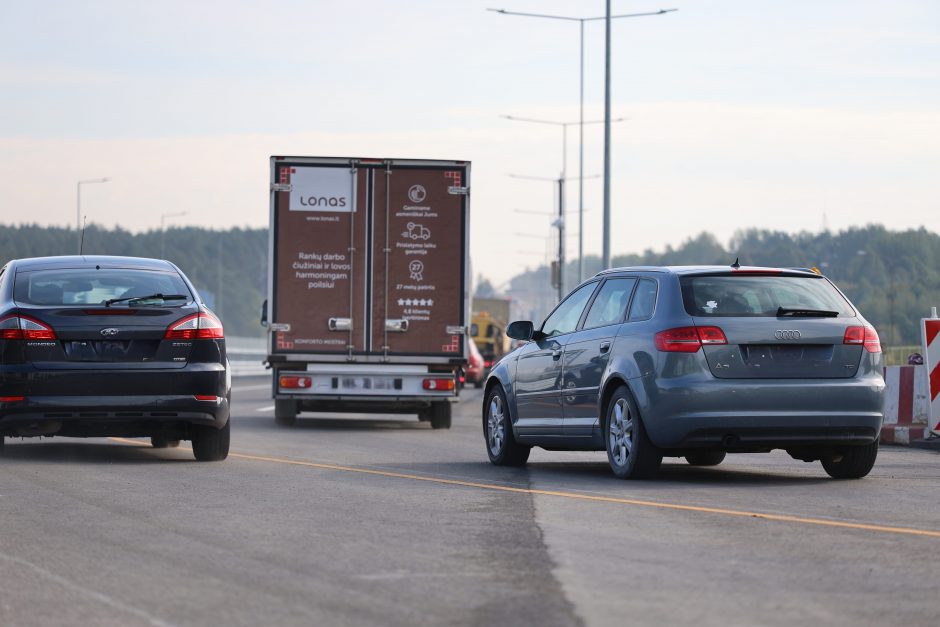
{"x":586,"y":497}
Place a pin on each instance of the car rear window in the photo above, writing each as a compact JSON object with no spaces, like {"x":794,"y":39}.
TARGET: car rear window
{"x":79,"y":286}
{"x":759,"y":296}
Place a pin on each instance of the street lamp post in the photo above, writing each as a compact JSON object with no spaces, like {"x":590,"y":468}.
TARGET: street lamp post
{"x":607,"y":17}
{"x":78,"y":206}
{"x":163,"y":230}
{"x":564,"y":170}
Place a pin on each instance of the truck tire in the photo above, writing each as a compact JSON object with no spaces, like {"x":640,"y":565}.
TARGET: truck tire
{"x":211,"y":444}
{"x":440,"y":415}
{"x":285,"y":412}
{"x":854,"y":463}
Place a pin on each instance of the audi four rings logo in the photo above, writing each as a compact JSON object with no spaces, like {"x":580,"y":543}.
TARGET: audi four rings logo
{"x":787,"y":334}
{"x":109,"y":332}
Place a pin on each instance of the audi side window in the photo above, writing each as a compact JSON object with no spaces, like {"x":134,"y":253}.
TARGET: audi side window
{"x":565,"y":317}
{"x":610,"y":304}
{"x":644,"y":301}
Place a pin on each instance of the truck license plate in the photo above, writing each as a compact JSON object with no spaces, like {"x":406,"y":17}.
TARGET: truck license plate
{"x":367,"y":383}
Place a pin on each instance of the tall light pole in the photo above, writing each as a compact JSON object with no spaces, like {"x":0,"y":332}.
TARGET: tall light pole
{"x":78,"y":206}
{"x":607,"y":17}
{"x":564,"y":170}
{"x":163,"y":230}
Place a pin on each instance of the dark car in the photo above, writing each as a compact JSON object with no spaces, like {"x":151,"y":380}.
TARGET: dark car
{"x":693,"y":362}
{"x":111,"y":346}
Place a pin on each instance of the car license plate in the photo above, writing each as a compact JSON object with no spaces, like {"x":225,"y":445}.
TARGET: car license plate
{"x":367,"y":383}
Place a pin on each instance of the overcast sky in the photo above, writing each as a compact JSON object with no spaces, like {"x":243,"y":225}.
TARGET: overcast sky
{"x":742,"y":113}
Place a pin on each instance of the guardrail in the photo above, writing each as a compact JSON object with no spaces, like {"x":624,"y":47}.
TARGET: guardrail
{"x":246,"y":354}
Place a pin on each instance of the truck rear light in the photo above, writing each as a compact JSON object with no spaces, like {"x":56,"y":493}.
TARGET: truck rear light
{"x":12,"y":399}
{"x":295,"y":382}
{"x":863,"y":336}
{"x":688,"y":339}
{"x":25,"y":328}
{"x":199,"y":326}
{"x":438,"y":385}
{"x":487,"y":363}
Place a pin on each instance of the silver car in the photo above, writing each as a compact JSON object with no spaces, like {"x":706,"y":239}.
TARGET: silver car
{"x":692,"y":362}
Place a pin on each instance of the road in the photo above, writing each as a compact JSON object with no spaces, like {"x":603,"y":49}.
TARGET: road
{"x":382,"y":521}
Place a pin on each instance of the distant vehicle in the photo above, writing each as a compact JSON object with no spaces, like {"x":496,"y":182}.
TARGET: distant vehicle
{"x":473,"y":372}
{"x":488,"y":329}
{"x":693,"y":362}
{"x":368,"y":288}
{"x":111,"y":346}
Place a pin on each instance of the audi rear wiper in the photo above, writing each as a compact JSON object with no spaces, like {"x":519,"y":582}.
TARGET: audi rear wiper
{"x":130,"y":299}
{"x":797,"y":311}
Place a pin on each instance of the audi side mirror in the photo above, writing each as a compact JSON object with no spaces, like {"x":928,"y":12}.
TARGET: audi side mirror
{"x":264,"y":313}
{"x":521,"y":330}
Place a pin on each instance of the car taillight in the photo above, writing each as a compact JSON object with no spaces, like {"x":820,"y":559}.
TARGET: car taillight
{"x":487,"y":363}
{"x":439,"y":385}
{"x":12,"y":399}
{"x":863,"y":336}
{"x":25,"y":328}
{"x":688,"y":339}
{"x":295,"y":382}
{"x":206,"y":397}
{"x":200,"y":326}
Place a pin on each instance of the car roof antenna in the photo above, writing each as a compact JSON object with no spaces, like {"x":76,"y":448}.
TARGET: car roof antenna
{"x":736,"y":263}
{"x":81,"y":243}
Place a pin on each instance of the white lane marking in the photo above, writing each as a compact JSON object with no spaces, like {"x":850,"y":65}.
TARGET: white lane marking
{"x":247,"y":388}
{"x":268,"y":408}
{"x":98,"y":596}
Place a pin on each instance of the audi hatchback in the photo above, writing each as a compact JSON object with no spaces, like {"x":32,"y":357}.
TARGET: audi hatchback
{"x":111,"y":346}
{"x":692,"y":362}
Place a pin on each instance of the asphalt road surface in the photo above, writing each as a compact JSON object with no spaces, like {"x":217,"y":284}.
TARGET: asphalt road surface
{"x":382,"y":521}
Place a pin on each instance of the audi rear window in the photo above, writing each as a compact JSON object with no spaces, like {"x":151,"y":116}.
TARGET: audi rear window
{"x":759,"y":295}
{"x":79,"y":286}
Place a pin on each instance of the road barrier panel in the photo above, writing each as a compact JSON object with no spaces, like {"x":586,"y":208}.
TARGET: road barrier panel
{"x":930,"y":340}
{"x":906,"y":404}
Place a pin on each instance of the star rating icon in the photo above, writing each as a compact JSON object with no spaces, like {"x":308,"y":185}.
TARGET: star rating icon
{"x":415,"y":302}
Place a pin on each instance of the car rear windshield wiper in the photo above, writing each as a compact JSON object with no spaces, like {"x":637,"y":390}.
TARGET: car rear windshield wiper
{"x":797,"y":311}
{"x":129,"y":299}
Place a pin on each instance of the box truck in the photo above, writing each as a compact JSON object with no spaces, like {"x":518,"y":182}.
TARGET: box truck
{"x":367,"y":307}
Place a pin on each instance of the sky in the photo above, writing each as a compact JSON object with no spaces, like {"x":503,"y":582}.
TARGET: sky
{"x":738,"y":113}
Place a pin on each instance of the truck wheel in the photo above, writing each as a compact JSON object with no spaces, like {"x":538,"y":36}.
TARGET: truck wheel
{"x":211,"y":444}
{"x":705,"y":458}
{"x":440,"y":415}
{"x":853,"y":462}
{"x":501,"y":445}
{"x":159,"y":441}
{"x":629,"y":451}
{"x":285,"y":412}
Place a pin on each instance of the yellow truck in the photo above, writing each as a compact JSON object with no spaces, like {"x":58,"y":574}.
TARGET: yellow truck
{"x":488,"y":323}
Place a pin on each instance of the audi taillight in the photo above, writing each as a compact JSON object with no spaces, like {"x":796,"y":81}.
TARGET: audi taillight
{"x":863,"y":336}
{"x":200,"y":326}
{"x":688,"y":339}
{"x":438,"y":385}
{"x":25,"y":328}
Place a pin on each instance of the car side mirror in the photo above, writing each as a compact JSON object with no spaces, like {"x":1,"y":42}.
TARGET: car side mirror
{"x":521,"y":330}
{"x":264,"y":313}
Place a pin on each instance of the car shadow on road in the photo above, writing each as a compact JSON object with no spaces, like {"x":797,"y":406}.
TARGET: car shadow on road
{"x":682,"y":474}
{"x":76,"y":451}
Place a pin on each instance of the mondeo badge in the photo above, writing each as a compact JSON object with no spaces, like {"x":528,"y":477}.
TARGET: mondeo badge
{"x":788,"y":334}
{"x":109,"y":332}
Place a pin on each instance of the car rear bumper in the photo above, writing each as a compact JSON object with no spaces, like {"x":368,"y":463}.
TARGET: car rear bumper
{"x":112,"y":403}
{"x":759,"y":414}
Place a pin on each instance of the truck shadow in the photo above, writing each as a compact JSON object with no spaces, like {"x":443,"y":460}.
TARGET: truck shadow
{"x":77,"y":451}
{"x":311,"y":422}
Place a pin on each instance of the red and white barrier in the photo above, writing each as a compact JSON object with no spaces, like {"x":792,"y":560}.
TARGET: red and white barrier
{"x":930,"y":337}
{"x":906,"y":406}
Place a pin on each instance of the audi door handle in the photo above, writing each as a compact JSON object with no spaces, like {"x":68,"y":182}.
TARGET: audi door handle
{"x":605,"y":346}
{"x":556,"y":354}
